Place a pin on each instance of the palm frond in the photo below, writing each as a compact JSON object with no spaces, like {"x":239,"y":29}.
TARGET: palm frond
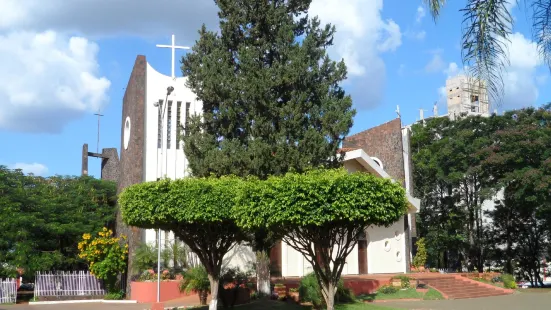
{"x":486,"y":29}
{"x":542,"y":28}
{"x":435,"y":6}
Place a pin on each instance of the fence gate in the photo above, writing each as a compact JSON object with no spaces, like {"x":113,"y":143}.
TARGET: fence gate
{"x":8,"y":291}
{"x":67,"y":283}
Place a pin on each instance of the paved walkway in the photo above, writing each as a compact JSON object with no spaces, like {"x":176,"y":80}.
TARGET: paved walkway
{"x":517,"y":301}
{"x":192,"y":300}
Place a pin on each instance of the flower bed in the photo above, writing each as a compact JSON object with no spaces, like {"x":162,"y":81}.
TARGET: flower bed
{"x":146,"y":292}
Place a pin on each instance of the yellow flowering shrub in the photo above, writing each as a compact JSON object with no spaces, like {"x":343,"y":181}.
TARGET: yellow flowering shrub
{"x":106,"y":255}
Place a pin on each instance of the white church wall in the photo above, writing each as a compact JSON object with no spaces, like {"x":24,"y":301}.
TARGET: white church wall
{"x":351,"y":266}
{"x":353,"y":166}
{"x":386,"y":249}
{"x":241,"y":256}
{"x":165,"y":162}
{"x":293,"y":263}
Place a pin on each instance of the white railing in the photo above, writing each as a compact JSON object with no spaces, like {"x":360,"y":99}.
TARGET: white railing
{"x":8,"y":291}
{"x":67,"y":283}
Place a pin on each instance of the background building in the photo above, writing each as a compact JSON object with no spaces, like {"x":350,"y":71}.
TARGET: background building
{"x":465,"y":95}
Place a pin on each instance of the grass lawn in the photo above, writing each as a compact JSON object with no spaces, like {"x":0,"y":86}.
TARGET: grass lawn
{"x":410,"y":293}
{"x":266,"y":304}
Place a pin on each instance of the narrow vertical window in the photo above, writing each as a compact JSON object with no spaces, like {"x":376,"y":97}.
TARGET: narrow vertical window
{"x":188,"y":104}
{"x":159,"y":121}
{"x":178,"y":124}
{"x":169,"y":124}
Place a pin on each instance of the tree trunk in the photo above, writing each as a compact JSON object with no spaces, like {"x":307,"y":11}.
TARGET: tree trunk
{"x":328,"y":291}
{"x":203,"y":297}
{"x":213,"y":293}
{"x":263,"y":273}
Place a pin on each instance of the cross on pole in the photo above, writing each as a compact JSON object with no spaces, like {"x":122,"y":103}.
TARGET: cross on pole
{"x":173,"y":47}
{"x":97,"y":146}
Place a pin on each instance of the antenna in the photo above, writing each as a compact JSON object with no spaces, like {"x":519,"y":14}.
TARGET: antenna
{"x":97,"y":146}
{"x":398,"y":111}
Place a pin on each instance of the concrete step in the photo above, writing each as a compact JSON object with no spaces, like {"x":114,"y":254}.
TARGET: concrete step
{"x":461,"y":289}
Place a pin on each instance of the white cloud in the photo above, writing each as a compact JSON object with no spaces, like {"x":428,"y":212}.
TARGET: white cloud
{"x":420,"y":14}
{"x":401,"y":70}
{"x":452,"y":69}
{"x":362,"y":36}
{"x":47,"y":80}
{"x":436,"y":63}
{"x":510,"y":5}
{"x":34,"y":168}
{"x":49,"y":75}
{"x":110,"y":17}
{"x":520,"y":78}
{"x":416,"y":35}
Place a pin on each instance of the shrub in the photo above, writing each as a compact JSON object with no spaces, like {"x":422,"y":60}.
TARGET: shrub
{"x":508,"y":281}
{"x":144,"y":257}
{"x":115,"y":295}
{"x":309,"y":291}
{"x":106,"y":256}
{"x":196,"y":280}
{"x":344,"y":294}
{"x":420,"y":258}
{"x":387,"y":289}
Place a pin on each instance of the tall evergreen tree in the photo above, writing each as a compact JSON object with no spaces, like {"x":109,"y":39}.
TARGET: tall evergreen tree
{"x":271,"y":97}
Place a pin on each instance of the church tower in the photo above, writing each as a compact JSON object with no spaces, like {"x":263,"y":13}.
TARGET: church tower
{"x":155,"y":110}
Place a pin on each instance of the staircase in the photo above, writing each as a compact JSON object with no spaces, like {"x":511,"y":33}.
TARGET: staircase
{"x":460,"y":288}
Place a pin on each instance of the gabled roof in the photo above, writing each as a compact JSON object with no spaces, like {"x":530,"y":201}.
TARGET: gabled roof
{"x":371,"y":166}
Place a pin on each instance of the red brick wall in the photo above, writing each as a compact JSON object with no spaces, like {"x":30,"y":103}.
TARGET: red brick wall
{"x":385,"y":143}
{"x":132,"y":160}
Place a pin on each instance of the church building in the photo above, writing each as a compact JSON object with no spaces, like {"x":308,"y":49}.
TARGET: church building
{"x":155,"y":110}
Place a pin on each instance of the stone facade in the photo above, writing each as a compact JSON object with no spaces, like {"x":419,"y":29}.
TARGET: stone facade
{"x":132,"y":158}
{"x":385,"y":143}
{"x":84,"y":168}
{"x":110,"y":165}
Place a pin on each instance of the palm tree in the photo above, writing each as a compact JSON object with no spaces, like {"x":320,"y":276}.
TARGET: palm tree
{"x":487,"y":25}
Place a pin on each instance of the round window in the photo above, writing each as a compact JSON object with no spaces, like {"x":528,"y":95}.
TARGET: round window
{"x":126,"y":135}
{"x":387,"y":245}
{"x":397,"y":235}
{"x":398,"y":256}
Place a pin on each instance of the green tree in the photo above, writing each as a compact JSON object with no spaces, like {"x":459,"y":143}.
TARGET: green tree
{"x":458,"y":165}
{"x":271,"y":98}
{"x":42,"y":219}
{"x":197,"y":210}
{"x":520,"y":162}
{"x":321,"y":215}
{"x":487,"y":25}
{"x":453,"y":184}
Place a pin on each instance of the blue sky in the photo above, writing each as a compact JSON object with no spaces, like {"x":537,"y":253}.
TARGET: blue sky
{"x":62,"y":62}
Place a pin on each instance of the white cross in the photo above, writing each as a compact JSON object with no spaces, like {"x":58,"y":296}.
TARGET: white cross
{"x":173,"y":47}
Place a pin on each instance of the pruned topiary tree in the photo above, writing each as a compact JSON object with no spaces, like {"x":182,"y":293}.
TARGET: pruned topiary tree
{"x":321,"y":214}
{"x":197,"y":210}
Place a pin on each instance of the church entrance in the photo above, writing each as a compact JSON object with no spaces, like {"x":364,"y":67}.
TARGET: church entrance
{"x":362,"y":254}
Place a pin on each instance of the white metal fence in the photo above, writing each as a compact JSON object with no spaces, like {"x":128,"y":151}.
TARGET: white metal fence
{"x":8,"y":291}
{"x":67,"y":283}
